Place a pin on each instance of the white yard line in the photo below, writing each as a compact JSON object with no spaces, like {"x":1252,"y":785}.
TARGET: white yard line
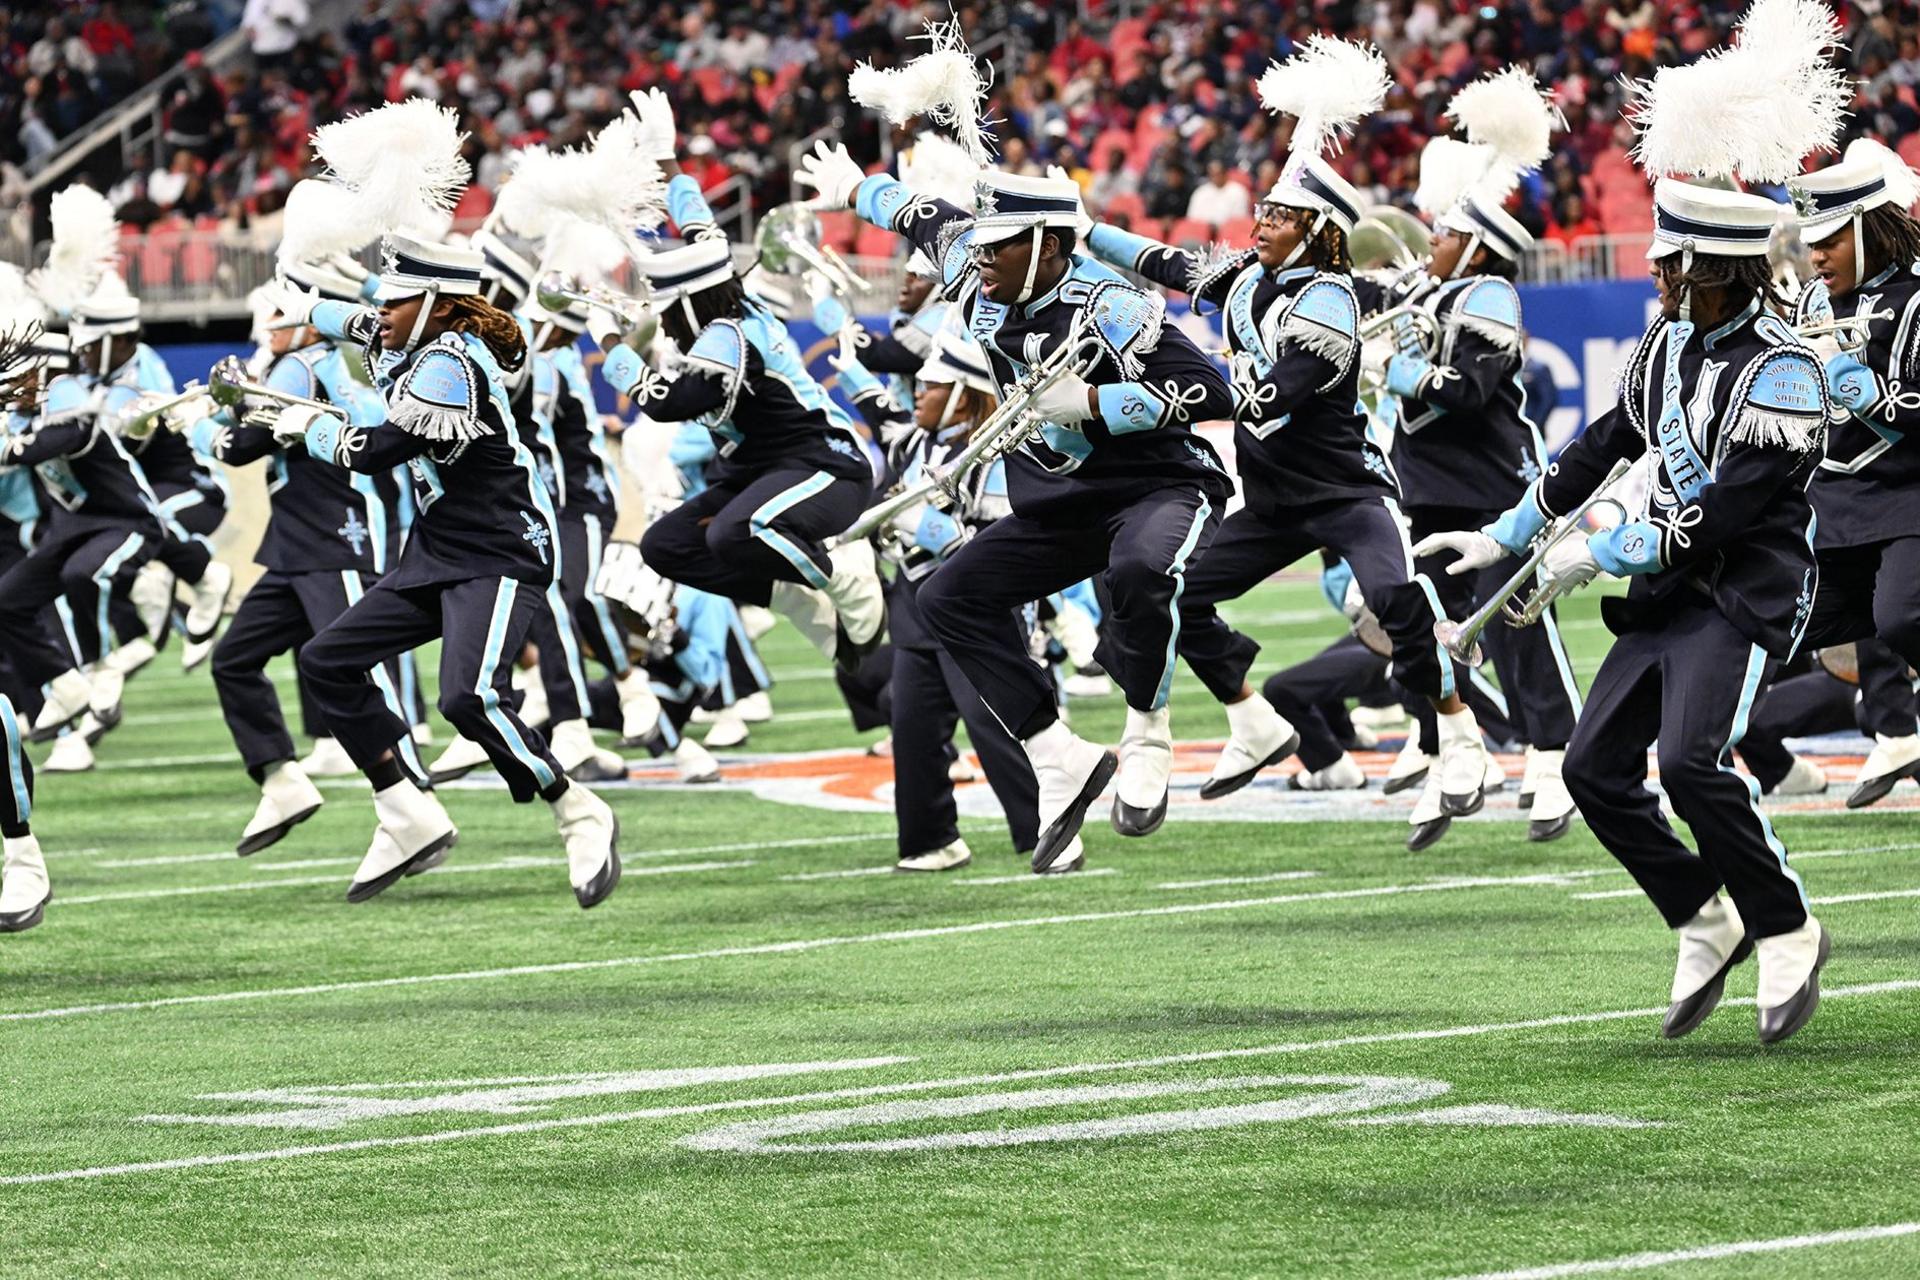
{"x":509,"y":864}
{"x":1226,"y":880}
{"x":168,"y":762}
{"x":920,"y":1086}
{"x":790,"y":947}
{"x":803,"y":876}
{"x":1866,"y":897}
{"x":1705,"y":1253}
{"x":1030,"y":878}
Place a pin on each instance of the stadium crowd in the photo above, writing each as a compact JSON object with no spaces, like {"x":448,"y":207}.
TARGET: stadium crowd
{"x":1154,"y":114}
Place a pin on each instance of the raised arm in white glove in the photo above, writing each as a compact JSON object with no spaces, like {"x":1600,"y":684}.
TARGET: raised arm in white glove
{"x":830,"y":171}
{"x":656,"y":123}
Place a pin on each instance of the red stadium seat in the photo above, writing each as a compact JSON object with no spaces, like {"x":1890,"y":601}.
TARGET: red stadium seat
{"x":1909,"y":148}
{"x":1127,"y":203}
{"x":839,"y":228}
{"x":1237,"y":234}
{"x":1105,"y":142}
{"x":874,"y":242}
{"x":1190,"y":231}
{"x":200,"y":257}
{"x":715,"y":84}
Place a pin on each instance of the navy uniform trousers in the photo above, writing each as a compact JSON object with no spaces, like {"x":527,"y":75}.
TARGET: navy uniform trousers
{"x":576,"y":623}
{"x":1535,"y":674}
{"x":185,"y":557}
{"x":1252,"y":547}
{"x":1874,"y":590}
{"x":89,"y":567}
{"x":482,"y":624}
{"x":1808,"y":701}
{"x":1688,"y":681}
{"x":1148,"y":551}
{"x":16,"y":788}
{"x":284,"y":611}
{"x":737,"y":541}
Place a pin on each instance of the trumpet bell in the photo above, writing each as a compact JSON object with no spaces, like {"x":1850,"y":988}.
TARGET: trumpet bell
{"x":225,"y":382}
{"x":1457,"y":641}
{"x":780,"y":231}
{"x":1374,"y":246}
{"x":1412,"y":233}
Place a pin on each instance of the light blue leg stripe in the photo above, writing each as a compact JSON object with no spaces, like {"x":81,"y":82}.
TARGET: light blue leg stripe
{"x":761,"y":524}
{"x":16,"y":768}
{"x":409,"y":754}
{"x":103,"y":583}
{"x":750,"y":654}
{"x":490,"y":698}
{"x":1490,"y":692}
{"x":569,"y":644}
{"x":65,"y":610}
{"x":1756,"y":667}
{"x":1560,"y":660}
{"x":610,"y":634}
{"x":409,"y":684}
{"x":1178,"y":571}
{"x":1447,"y":688}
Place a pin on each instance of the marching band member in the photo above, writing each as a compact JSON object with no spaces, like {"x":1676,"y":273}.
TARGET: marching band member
{"x":330,"y":535}
{"x":1465,"y":449}
{"x":1733,"y":408}
{"x":24,"y":890}
{"x":1115,"y":480}
{"x":1311,"y":475}
{"x":1855,"y":218}
{"x":792,"y":471}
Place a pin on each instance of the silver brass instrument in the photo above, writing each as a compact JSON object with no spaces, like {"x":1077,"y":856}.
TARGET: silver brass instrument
{"x":1850,"y":332}
{"x":555,"y":291}
{"x":229,"y":387}
{"x":789,"y":242}
{"x":1462,"y":639}
{"x":1008,"y":427}
{"x":140,"y":424}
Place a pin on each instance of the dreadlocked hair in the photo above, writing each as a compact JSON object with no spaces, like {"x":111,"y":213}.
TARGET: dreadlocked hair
{"x":971,"y":406}
{"x":500,"y":331}
{"x":1892,"y":238}
{"x":1327,"y":251}
{"x":724,"y":301}
{"x":17,"y":343}
{"x":1744,"y":279}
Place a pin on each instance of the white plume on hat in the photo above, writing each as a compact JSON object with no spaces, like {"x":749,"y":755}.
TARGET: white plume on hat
{"x":611,"y":183}
{"x":20,"y":308}
{"x":322,"y":218}
{"x":399,"y":163}
{"x":1509,"y":115}
{"x":86,"y":245}
{"x":943,"y":84}
{"x":938,"y":166}
{"x":1755,"y":110}
{"x":1903,"y":184}
{"x":1448,"y":169}
{"x":1328,"y":87}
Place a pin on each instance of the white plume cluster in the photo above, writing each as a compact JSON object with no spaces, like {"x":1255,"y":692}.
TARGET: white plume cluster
{"x":20,"y":307}
{"x":1449,"y":168}
{"x":1508,"y":113}
{"x":943,"y":84}
{"x":1328,"y":87}
{"x":609,"y":184}
{"x":939,"y":167}
{"x":86,"y":246}
{"x":1903,"y":184}
{"x":321,"y":219}
{"x":1755,"y":110}
{"x":401,"y":167}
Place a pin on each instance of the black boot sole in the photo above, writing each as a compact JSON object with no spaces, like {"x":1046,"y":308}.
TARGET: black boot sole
{"x":1213,"y":790}
{"x":273,"y":835}
{"x":1541,"y":830}
{"x":1878,"y":789}
{"x":1055,"y":839}
{"x":1684,"y":1015}
{"x":1394,"y":786}
{"x":1463,"y":806}
{"x":1427,"y":834}
{"x":1799,"y":1010}
{"x":601,"y":887}
{"x":25,"y":920}
{"x":360,"y":892}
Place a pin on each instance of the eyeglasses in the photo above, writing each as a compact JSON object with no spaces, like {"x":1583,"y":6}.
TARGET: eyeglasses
{"x":1268,"y":211}
{"x":982,"y":254}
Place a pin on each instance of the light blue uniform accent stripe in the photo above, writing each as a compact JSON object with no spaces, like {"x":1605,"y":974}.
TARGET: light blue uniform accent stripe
{"x":1178,"y":570}
{"x":610,"y":634}
{"x":1756,"y":667}
{"x":65,"y":610}
{"x":1491,"y":692}
{"x":747,"y":651}
{"x":1565,"y":664}
{"x":409,"y":754}
{"x":490,"y":697}
{"x":409,"y":684}
{"x":16,"y":767}
{"x":761,"y":522}
{"x":369,"y":490}
{"x":569,"y":642}
{"x":103,"y":582}
{"x":1447,"y":687}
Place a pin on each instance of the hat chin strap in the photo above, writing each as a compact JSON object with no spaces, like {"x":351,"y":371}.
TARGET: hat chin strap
{"x":1686,"y":289}
{"x":1300,"y":246}
{"x":427,"y":302}
{"x":1466,"y":257}
{"x":1033,"y":262}
{"x":1859,"y":247}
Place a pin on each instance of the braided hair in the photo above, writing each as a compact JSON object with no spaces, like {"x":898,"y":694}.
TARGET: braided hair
{"x":500,"y":331}
{"x":1891,"y":237}
{"x":1327,"y":250}
{"x":1743,"y":279}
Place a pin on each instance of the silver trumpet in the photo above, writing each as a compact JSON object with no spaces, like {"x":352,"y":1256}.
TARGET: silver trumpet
{"x":788,"y":242}
{"x":1850,"y":332}
{"x":1000,"y":433}
{"x":1462,"y":639}
{"x":141,"y":423}
{"x":230,"y":388}
{"x":556,"y":291}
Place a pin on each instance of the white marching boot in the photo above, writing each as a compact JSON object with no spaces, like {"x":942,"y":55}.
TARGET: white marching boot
{"x":592,"y":836}
{"x":68,"y":695}
{"x":462,"y":756}
{"x":961,"y":771}
{"x":1093,"y":683}
{"x":1462,"y":766}
{"x":1071,"y":773}
{"x":811,"y":614}
{"x":695,"y":764}
{"x":1258,"y":737}
{"x":71,"y":753}
{"x":728,"y":730}
{"x":287,"y":799}
{"x":151,"y":596}
{"x":580,"y":757}
{"x":1070,"y":859}
{"x":534,"y":711}
{"x":1890,"y":760}
{"x":756,"y":620}
{"x":328,"y":759}
{"x":1344,"y":774}
{"x":639,"y":708}
{"x":858,"y":598}
{"x":1430,"y":819}
{"x":203,"y":614}
{"x":1410,"y":768}
{"x":1146,"y":769}
{"x":1550,"y":812}
{"x":131,"y":656}
{"x":1790,"y":965}
{"x":24,"y":888}
{"x":1804,"y":778}
{"x":414,"y":834}
{"x":1711,"y":944}
{"x":950,"y":857}
{"x":755,"y":708}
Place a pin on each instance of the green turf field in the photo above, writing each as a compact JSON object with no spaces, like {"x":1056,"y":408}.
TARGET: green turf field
{"x":1322,"y":1056}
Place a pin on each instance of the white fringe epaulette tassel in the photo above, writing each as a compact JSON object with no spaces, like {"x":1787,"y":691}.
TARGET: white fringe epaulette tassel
{"x":1794,"y":431}
{"x":430,"y":422}
{"x":1213,"y":262}
{"x":1330,"y":344}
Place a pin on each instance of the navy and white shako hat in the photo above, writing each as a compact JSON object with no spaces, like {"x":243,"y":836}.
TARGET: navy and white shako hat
{"x":1868,"y":176}
{"x":675,"y":273}
{"x":956,"y":359}
{"x":505,"y":267}
{"x":322,"y":278}
{"x":1006,"y":204}
{"x":106,"y":312}
{"x":1308,"y":182}
{"x":409,"y":267}
{"x":1498,"y":230}
{"x":1729,"y":224}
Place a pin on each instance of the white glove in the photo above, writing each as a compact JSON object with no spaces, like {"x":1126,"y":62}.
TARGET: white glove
{"x":602,"y":325}
{"x":1475,"y":549}
{"x":291,"y":423}
{"x":1082,"y":222}
{"x":1569,"y":565}
{"x":830,"y":171}
{"x":1353,"y":603}
{"x":295,"y":304}
{"x":1375,"y":354}
{"x":187,"y":412}
{"x":657,"y":132}
{"x":1065,"y":402}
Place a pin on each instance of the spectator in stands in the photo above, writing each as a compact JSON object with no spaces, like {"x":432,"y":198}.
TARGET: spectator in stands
{"x":274,"y":27}
{"x":1571,"y":222}
{"x":59,"y":48}
{"x":1221,"y":198}
{"x":1169,"y":190}
{"x":195,"y":110}
{"x":1114,"y":179}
